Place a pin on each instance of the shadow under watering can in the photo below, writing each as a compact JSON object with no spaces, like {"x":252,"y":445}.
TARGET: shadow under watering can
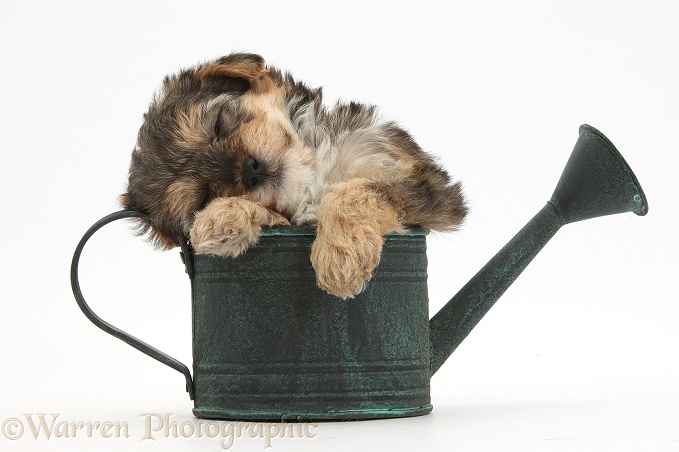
{"x":269,"y":344}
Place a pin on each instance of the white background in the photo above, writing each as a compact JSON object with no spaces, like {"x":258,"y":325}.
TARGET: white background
{"x":581,"y":353}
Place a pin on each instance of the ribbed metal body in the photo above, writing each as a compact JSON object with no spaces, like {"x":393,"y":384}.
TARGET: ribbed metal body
{"x":268,"y":343}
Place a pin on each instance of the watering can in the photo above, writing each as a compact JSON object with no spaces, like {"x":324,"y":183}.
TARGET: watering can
{"x":268,"y":344}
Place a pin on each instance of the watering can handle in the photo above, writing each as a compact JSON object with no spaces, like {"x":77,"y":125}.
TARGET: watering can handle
{"x":107,"y":327}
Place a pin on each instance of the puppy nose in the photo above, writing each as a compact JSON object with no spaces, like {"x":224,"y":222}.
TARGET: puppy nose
{"x":254,"y":172}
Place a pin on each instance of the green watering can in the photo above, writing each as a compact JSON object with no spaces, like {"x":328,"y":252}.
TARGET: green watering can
{"x":268,"y":344}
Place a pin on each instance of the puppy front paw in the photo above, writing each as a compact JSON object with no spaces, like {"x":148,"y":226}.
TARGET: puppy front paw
{"x":345,"y":259}
{"x":352,"y":220}
{"x":228,"y":225}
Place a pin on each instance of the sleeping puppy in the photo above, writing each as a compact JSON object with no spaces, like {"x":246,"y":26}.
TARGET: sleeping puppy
{"x":232,"y":145}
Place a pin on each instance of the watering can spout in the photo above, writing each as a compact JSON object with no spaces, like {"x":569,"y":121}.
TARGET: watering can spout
{"x":596,"y":182}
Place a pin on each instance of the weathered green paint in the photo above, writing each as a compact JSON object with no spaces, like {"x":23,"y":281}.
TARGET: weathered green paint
{"x":268,"y":344}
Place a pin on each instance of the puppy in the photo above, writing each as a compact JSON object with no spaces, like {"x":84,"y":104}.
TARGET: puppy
{"x":229,"y":146}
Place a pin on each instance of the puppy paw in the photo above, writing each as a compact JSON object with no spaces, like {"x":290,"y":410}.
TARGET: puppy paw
{"x":352,"y":221}
{"x":345,"y":259}
{"x":228,"y":225}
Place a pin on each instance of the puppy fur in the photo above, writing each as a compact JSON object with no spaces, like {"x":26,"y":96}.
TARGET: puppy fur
{"x":232,"y":145}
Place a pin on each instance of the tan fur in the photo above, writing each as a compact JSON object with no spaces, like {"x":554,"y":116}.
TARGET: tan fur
{"x":182,"y":193}
{"x":245,"y":69}
{"x":264,"y":84}
{"x":269,"y":104}
{"x":192,"y":133}
{"x":352,"y":221}
{"x":228,"y":225}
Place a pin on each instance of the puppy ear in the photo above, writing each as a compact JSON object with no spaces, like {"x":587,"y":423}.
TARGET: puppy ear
{"x":237,"y":65}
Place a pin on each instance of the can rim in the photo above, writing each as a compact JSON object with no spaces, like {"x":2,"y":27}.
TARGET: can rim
{"x":296,"y":230}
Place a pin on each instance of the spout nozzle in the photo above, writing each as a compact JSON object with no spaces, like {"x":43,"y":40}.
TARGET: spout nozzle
{"x":597,"y":181}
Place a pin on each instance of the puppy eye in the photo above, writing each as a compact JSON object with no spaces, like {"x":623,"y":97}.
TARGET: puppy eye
{"x":218,"y":126}
{"x":225,"y":123}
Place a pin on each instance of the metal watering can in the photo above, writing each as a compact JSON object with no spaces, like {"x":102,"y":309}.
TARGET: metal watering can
{"x":268,"y":344}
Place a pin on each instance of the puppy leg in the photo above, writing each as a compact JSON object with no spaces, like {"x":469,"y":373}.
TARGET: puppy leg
{"x":228,"y":225}
{"x":352,"y":220}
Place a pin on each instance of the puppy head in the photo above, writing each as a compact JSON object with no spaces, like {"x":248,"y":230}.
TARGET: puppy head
{"x":215,"y":130}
